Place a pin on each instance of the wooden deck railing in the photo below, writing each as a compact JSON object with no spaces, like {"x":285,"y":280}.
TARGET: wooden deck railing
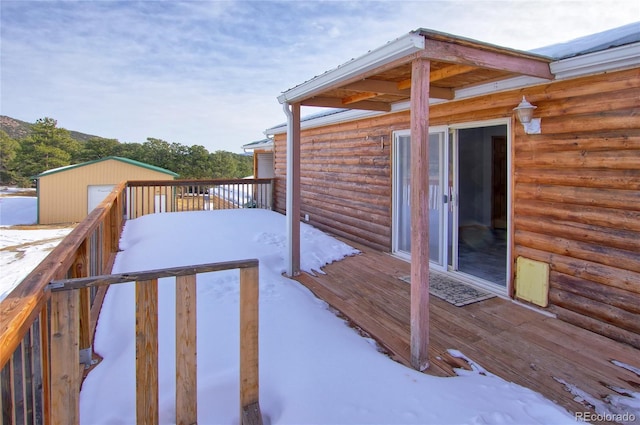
{"x":64,"y":356}
{"x":146,"y":197}
{"x":27,"y":314}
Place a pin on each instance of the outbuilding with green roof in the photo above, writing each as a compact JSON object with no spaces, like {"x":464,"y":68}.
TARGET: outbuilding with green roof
{"x":68,"y":194}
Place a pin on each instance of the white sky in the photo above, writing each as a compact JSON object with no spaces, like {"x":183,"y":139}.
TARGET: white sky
{"x":209,"y":72}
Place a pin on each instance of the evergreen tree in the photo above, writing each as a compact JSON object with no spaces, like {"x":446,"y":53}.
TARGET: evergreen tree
{"x":97,"y":148}
{"x":8,"y":150}
{"x":46,"y":148}
{"x":197,"y":164}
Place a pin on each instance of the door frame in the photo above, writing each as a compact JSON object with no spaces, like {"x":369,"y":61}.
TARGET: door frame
{"x":450,"y":132}
{"x":497,"y":289}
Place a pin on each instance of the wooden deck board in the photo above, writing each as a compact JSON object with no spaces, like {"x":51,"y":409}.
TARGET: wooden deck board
{"x":507,"y":339}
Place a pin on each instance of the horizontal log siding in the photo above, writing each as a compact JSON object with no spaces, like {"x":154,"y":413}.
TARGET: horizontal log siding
{"x":577,"y":200}
{"x":576,"y":189}
{"x":346,"y":178}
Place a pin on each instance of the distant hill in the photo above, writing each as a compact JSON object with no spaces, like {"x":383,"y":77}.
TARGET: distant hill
{"x":17,"y":130}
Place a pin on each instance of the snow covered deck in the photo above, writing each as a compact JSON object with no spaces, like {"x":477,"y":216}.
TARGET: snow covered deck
{"x":561,"y":361}
{"x":313,"y":368}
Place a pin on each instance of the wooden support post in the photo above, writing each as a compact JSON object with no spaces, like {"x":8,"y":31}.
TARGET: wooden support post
{"x":293,"y":188}
{"x":65,"y":373}
{"x":80,"y":268}
{"x":147,"y":404}
{"x":295,"y":109}
{"x":186,"y":366}
{"x":114,"y":230}
{"x":420,"y":214}
{"x":249,"y":372}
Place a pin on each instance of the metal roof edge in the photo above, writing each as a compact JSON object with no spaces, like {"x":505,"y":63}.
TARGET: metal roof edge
{"x":403,"y":46}
{"x":603,"y":60}
{"x":106,"y":158}
{"x":259,"y":144}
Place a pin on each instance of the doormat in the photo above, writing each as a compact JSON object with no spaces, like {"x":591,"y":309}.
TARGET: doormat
{"x":453,"y":291}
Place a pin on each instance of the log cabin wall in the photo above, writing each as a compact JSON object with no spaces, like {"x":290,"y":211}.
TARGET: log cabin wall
{"x":576,"y":189}
{"x":345,"y":178}
{"x":577,"y":200}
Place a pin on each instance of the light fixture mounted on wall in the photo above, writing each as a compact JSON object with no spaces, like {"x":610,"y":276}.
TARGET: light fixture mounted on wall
{"x":524,"y":112}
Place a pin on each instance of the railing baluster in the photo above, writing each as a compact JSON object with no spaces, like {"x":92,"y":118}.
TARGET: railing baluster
{"x":6,"y":398}
{"x":186,"y":364}
{"x":37,"y":372}
{"x":249,"y":356}
{"x":18,"y":384}
{"x":147,"y":352}
{"x":45,"y":343}
{"x":65,"y":360}
{"x":27,"y":373}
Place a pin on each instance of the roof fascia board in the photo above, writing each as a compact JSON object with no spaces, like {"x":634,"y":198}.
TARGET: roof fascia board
{"x":388,"y":53}
{"x":604,"y":60}
{"x":487,"y":59}
{"x":258,"y":146}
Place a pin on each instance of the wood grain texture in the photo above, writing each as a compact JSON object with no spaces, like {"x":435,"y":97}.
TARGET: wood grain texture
{"x":420,"y":214}
{"x":65,"y":284}
{"x":65,"y":358}
{"x":186,"y":351}
{"x":507,"y":339}
{"x":147,"y":405}
{"x":249,"y":342}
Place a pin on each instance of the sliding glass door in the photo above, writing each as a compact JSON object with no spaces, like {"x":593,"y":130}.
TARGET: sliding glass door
{"x":468,"y":198}
{"x":402,"y":190}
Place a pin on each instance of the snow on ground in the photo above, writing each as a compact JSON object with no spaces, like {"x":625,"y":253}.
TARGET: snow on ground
{"x":314,"y":369}
{"x":22,"y":249}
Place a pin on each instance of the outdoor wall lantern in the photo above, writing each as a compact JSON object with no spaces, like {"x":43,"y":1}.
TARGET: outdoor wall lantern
{"x":524,"y":112}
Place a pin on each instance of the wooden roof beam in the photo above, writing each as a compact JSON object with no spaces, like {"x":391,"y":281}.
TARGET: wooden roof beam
{"x":434,"y":92}
{"x":378,"y":86}
{"x":358,"y":97}
{"x":450,"y":71}
{"x":403,"y":88}
{"x":465,"y":55}
{"x":334,"y":102}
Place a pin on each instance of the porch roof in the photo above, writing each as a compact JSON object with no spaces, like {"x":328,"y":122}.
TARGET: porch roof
{"x":382,"y":77}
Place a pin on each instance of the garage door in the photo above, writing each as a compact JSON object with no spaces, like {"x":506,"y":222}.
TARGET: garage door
{"x":96,"y":194}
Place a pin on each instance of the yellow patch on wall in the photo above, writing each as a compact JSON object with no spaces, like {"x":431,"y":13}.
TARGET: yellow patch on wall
{"x":532,"y":281}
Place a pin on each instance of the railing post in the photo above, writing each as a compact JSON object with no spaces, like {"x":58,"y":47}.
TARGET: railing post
{"x":186,"y":363}
{"x":272,"y":185}
{"x":80,"y":268}
{"x":249,"y":373}
{"x":65,"y":360}
{"x":147,"y":352}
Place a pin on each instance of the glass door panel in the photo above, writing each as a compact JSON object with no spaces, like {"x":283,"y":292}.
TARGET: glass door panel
{"x":436,"y":196}
{"x":402,"y":192}
{"x":402,"y":198}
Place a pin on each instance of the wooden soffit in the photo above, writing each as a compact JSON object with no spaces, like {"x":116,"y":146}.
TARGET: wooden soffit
{"x":456,"y":63}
